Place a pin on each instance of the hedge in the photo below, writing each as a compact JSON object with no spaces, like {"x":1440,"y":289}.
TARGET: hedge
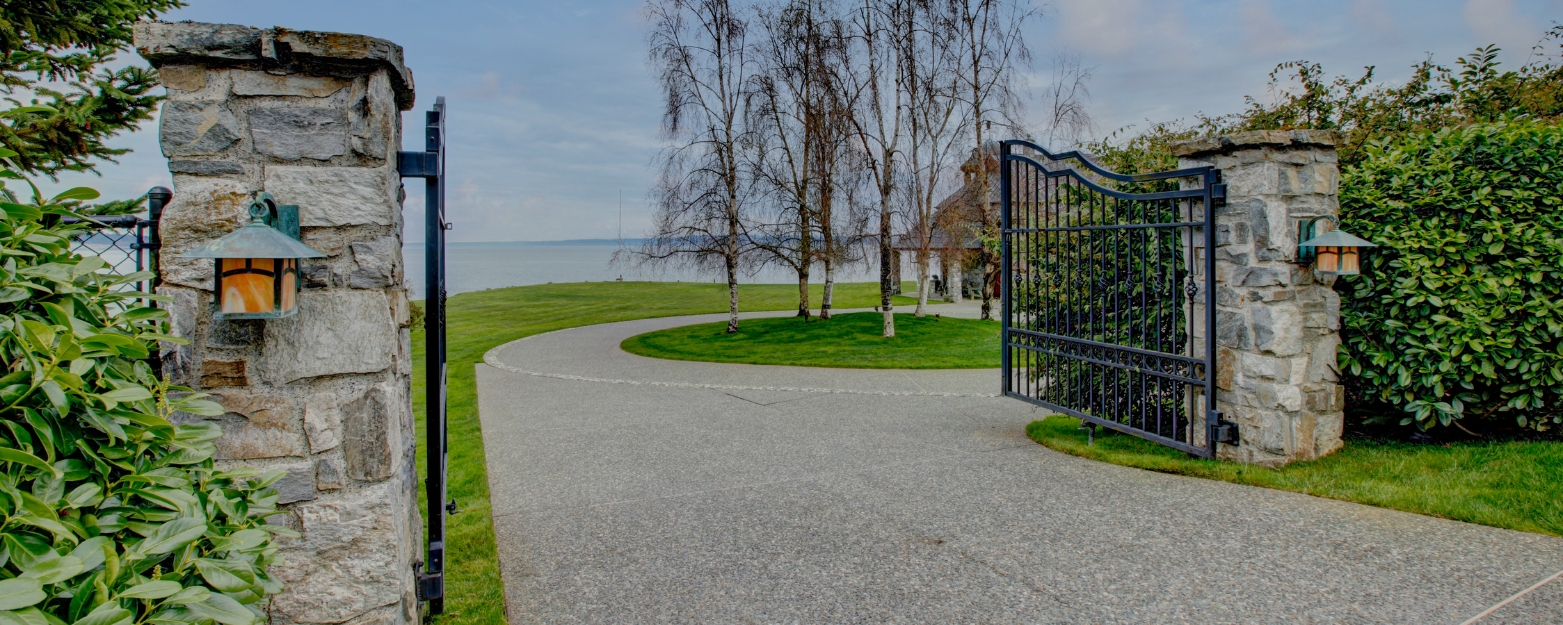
{"x":1455,"y":319}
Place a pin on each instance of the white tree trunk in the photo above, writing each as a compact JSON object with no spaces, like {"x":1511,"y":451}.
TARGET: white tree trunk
{"x":830,"y":289}
{"x":922,"y":285}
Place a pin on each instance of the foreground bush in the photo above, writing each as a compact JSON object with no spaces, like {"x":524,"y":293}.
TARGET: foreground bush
{"x":1457,"y":318}
{"x":112,"y":515}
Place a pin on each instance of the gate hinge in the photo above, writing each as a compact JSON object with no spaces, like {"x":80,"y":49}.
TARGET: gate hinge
{"x":418,"y":164}
{"x":430,"y":585}
{"x":1223,"y":431}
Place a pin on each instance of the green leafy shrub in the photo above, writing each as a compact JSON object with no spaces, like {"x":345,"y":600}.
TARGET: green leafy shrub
{"x":1458,"y":317}
{"x":112,"y":514}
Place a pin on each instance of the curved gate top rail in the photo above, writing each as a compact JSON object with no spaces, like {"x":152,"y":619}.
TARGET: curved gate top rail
{"x":1109,"y":294}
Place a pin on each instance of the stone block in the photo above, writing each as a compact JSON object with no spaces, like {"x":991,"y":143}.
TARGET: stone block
{"x":298,"y":484}
{"x":1278,"y":329}
{"x":1232,"y":330}
{"x":182,"y":77}
{"x":374,"y":115}
{"x":377,"y":263}
{"x":328,"y":474}
{"x":401,"y":308}
{"x":296,"y":85}
{"x":1267,"y":368}
{"x":334,"y":332}
{"x":203,"y":209}
{"x":349,"y":560}
{"x":1227,"y":363}
{"x":220,"y":373}
{"x":206,"y":168}
{"x":1260,"y":276}
{"x":323,"y":422}
{"x":1271,"y":432}
{"x":372,"y":428}
{"x":258,"y":425}
{"x":1279,"y":396}
{"x":1324,"y":360}
{"x":235,"y":333}
{"x":335,"y":196}
{"x":316,"y":276}
{"x":291,"y":134}
{"x":192,"y":128}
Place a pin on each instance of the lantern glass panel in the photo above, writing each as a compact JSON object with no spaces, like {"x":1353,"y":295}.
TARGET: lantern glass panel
{"x":1349,"y":261}
{"x":248,"y":285}
{"x":1327,"y":259}
{"x":289,"y":285}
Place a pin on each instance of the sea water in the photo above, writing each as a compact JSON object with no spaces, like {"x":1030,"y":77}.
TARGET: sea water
{"x":481,"y":266}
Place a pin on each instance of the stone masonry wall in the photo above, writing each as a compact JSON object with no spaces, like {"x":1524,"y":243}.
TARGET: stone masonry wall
{"x":313,"y":119}
{"x":1277,"y":322}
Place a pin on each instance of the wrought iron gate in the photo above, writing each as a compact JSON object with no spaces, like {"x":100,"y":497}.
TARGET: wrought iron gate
{"x":430,"y":165}
{"x":1108,"y":294}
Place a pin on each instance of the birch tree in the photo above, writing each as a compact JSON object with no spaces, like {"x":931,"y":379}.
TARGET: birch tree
{"x":701,"y":55}
{"x":931,"y":82}
{"x":786,"y":119}
{"x":991,"y":45}
{"x":873,"y":81}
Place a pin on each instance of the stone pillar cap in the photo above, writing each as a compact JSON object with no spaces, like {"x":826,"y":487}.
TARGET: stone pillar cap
{"x":310,"y":52}
{"x":1253,"y":139}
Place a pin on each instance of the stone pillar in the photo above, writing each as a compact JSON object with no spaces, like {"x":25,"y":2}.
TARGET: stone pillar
{"x":313,"y":119}
{"x":1278,"y":323}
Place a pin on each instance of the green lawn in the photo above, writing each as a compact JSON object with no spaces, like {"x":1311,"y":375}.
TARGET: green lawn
{"x":852,"y":340}
{"x":480,"y":321}
{"x":1517,"y":484}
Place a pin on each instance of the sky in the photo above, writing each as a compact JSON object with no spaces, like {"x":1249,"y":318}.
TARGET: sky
{"x":553,"y":111}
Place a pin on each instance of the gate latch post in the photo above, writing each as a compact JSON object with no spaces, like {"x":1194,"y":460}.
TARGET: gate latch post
{"x":431,"y":586}
{"x":1221,"y":430}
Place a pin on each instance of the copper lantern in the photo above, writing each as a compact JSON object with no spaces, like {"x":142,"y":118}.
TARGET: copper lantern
{"x":1334,"y":253}
{"x":256,"y":273}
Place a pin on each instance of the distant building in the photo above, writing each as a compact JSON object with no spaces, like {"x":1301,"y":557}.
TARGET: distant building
{"x":954,"y":242}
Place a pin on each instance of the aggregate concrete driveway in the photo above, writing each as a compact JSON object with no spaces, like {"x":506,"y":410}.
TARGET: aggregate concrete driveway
{"x":635,"y":490}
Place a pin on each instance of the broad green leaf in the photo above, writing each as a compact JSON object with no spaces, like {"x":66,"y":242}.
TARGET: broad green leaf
{"x":241,"y":540}
{"x":193,"y":594}
{"x":83,"y":495}
{"x":224,"y":610}
{"x":152,"y":590}
{"x":17,"y":456}
{"x":20,"y":592}
{"x":107,"y":614}
{"x":90,"y":551}
{"x":173,"y":535}
{"x":127,"y":394}
{"x":220,"y":577}
{"x":77,"y":193}
{"x":56,"y":570}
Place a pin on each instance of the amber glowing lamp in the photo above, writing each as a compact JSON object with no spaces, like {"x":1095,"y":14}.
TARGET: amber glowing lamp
{"x":1335,"y":252}
{"x":257,"y":266}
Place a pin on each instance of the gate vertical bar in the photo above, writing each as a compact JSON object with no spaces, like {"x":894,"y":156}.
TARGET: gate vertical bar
{"x":430,"y":165}
{"x":1006,"y":290}
{"x":1212,"y":417}
{"x":434,"y":336}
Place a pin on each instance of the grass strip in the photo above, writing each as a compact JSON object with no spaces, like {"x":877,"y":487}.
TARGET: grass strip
{"x":850,"y":341}
{"x":1513,"y":484}
{"x":477,"y":322}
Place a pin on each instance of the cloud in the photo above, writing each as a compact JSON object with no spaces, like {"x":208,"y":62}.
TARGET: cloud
{"x":1374,"y":20}
{"x":1266,"y":33}
{"x":1123,"y":28}
{"x":1496,"y":21}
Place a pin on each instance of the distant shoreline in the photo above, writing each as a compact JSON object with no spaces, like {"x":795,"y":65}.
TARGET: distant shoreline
{"x":563,"y":243}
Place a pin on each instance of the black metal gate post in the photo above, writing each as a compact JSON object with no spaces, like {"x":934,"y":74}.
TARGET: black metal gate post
{"x":430,"y":165}
{"x":1103,"y":278}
